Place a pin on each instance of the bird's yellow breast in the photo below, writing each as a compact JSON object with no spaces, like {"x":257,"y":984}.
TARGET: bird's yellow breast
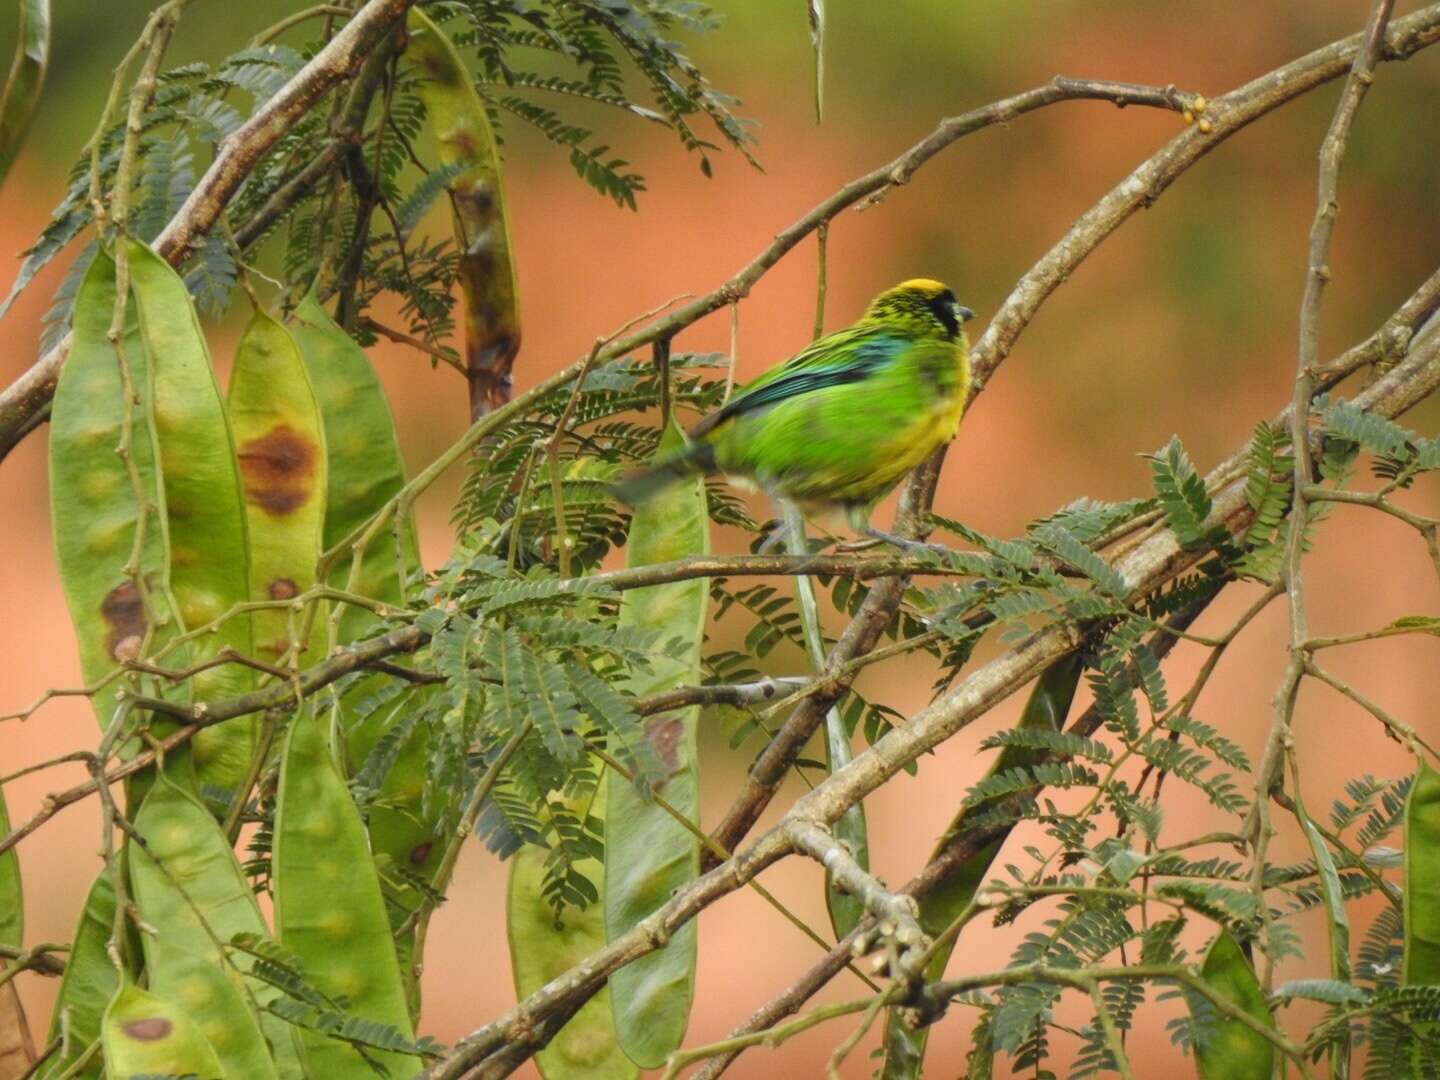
{"x":911,"y":445}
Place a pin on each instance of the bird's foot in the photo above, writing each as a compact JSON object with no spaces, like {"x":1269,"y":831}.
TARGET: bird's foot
{"x":910,"y":547}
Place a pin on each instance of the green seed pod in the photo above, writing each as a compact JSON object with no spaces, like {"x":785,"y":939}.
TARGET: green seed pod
{"x":12,"y":901}
{"x":364,"y":468}
{"x":466,"y":141}
{"x":1046,"y":709}
{"x":845,"y":908}
{"x":188,"y":886}
{"x":280,"y":444}
{"x":205,"y":515}
{"x":17,"y":1049}
{"x":87,"y":986}
{"x":648,"y":855}
{"x":93,"y":502}
{"x":364,"y":472}
{"x":147,"y":1036}
{"x":1227,"y":1049}
{"x":543,"y":946}
{"x":328,"y":907}
{"x":1422,"y":880}
{"x":27,"y":76}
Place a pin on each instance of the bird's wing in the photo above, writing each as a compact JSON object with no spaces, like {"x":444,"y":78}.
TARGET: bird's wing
{"x":845,"y":356}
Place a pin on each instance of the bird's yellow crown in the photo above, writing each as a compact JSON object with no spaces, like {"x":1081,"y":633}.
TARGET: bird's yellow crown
{"x":926,"y":287}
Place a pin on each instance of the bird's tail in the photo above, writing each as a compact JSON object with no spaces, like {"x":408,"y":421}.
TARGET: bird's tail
{"x":644,"y":484}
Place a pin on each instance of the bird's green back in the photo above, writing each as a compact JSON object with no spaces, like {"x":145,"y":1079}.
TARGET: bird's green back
{"x":845,"y":418}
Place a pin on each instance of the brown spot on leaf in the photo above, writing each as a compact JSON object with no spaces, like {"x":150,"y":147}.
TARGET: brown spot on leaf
{"x":283,"y":589}
{"x":664,"y":735}
{"x":149,"y":1029}
{"x":278,"y":469}
{"x":124,"y":613}
{"x":420,"y":852}
{"x":478,"y":199}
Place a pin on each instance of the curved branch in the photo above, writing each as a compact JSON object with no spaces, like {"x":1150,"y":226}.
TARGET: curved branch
{"x":1224,"y":116}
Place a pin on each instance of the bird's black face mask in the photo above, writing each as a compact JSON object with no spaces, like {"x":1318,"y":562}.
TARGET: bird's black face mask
{"x":950,"y":313}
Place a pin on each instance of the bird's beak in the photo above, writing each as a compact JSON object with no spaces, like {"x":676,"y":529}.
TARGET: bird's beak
{"x":963,"y":313}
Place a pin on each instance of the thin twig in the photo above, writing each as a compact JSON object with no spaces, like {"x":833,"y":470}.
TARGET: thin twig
{"x":1332,"y":155}
{"x":402,"y":338}
{"x":271,"y":33}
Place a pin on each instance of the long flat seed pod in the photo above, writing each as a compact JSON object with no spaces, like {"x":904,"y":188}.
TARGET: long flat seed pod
{"x":27,"y":75}
{"x":1422,"y":880}
{"x":328,"y":907}
{"x":94,"y":506}
{"x":280,"y":443}
{"x":1048,"y":705}
{"x":648,"y":855}
{"x":363,"y":471}
{"x":846,"y":910}
{"x":86,"y":988}
{"x":188,"y":886}
{"x":205,"y":516}
{"x":363,"y":464}
{"x":466,"y":143}
{"x":1225,"y":1048}
{"x":1421,"y":964}
{"x":17,"y":1048}
{"x":543,"y":945}
{"x":144,"y":1035}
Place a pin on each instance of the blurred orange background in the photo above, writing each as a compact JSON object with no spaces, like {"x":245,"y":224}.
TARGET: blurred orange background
{"x":1183,"y":322}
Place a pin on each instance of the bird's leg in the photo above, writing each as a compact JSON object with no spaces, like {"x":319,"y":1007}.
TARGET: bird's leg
{"x":789,"y":534}
{"x":777,"y":539}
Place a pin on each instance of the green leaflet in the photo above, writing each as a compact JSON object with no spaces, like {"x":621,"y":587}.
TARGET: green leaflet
{"x":188,"y":886}
{"x":328,"y":907}
{"x":209,"y":558}
{"x":542,"y":947}
{"x":466,"y":141}
{"x":1226,"y":1049}
{"x":1422,"y":880}
{"x":17,"y":1050}
{"x":27,"y":76}
{"x":146,"y":1036}
{"x":87,"y":986}
{"x":280,"y":444}
{"x":846,"y":909}
{"x":647,"y":853}
{"x":1047,"y":707}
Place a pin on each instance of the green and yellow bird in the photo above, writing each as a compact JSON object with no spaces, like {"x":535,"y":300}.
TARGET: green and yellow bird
{"x":838,"y":424}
